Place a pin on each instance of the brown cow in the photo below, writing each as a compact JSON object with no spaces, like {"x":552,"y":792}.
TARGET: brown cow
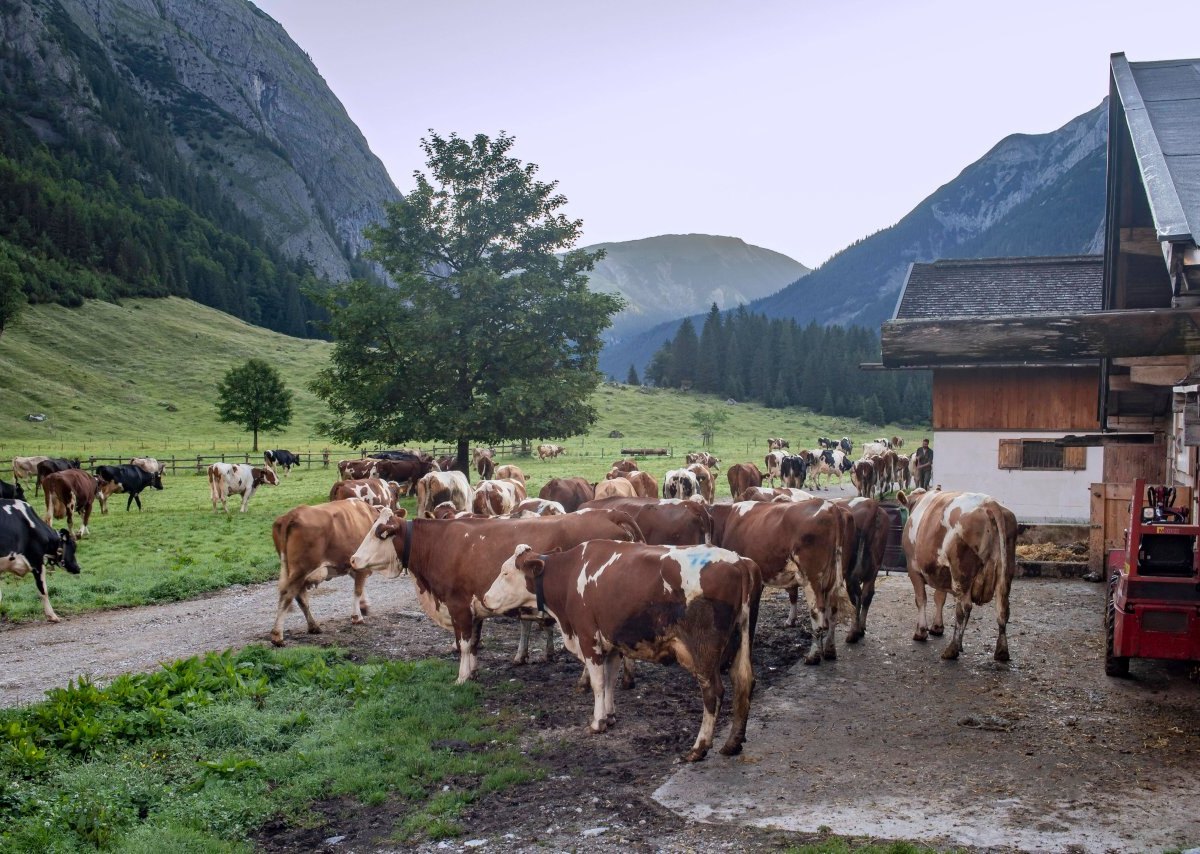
{"x":965,"y":543}
{"x":549,"y":451}
{"x":407,"y":472}
{"x":315,"y":544}
{"x":871,"y":526}
{"x":794,"y":543}
{"x":627,"y":464}
{"x":696,"y":606}
{"x":903,"y":472}
{"x":742,"y":476}
{"x":69,"y":492}
{"x":570,"y":492}
{"x":705,"y":459}
{"x":663,"y":522}
{"x":863,"y":476}
{"x":49,"y":466}
{"x":485,"y":462}
{"x":356,"y":469}
{"x":511,"y":472}
{"x":454,"y":561}
{"x":373,"y":490}
{"x":497,"y":497}
{"x":644,"y":484}
{"x":617,"y":487}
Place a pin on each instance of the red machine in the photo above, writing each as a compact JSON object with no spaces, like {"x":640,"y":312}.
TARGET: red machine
{"x":1153,"y":608}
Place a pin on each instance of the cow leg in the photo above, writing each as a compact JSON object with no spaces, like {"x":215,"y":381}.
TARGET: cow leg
{"x":627,"y":679}
{"x":522,"y":655}
{"x":741,"y":677}
{"x":314,"y":628}
{"x":286,"y":595}
{"x":39,"y":579}
{"x":246,"y":499}
{"x":596,"y":673}
{"x":939,"y":604}
{"x":362,"y":605}
{"x":548,"y":628}
{"x":830,"y":611}
{"x":794,"y":599}
{"x":921,"y":633}
{"x":863,"y":606}
{"x":468,"y":643}
{"x":85,"y":515}
{"x":962,"y":613}
{"x":711,"y":692}
{"x":854,"y":591}
{"x":613,"y":665}
{"x":822,"y":630}
{"x":1002,"y":591}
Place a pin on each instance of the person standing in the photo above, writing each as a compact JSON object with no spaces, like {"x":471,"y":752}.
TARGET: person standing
{"x":924,"y":462}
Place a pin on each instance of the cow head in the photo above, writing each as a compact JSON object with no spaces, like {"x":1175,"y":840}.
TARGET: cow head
{"x":259,"y":476}
{"x":380,"y":549}
{"x":516,"y":585}
{"x":157,"y":481}
{"x":64,"y":555}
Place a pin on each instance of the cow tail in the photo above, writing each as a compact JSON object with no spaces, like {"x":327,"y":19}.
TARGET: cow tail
{"x":631,"y":528}
{"x":992,"y":552}
{"x":279,"y":533}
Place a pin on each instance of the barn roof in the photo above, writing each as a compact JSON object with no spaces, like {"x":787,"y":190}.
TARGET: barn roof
{"x":1161,"y":104}
{"x":992,"y":287}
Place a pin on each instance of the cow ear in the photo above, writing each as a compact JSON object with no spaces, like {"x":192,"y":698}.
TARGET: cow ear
{"x":902,"y":498}
{"x":402,"y":513}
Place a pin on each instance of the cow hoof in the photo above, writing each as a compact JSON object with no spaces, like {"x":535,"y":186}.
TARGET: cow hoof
{"x":791,"y":622}
{"x":365,"y":608}
{"x":597,"y":727}
{"x":830,"y":654}
{"x":611,"y":720}
{"x":54,"y":619}
{"x":732,"y":749}
{"x":356,"y":621}
{"x":696,"y":754}
{"x":314,"y":630}
{"x":950,"y":653}
{"x":1001,"y":655}
{"x":813,"y":658}
{"x":921,"y":636}
{"x":520,"y":662}
{"x":853,"y":637}
{"x":277,"y":640}
{"x":937,"y":631}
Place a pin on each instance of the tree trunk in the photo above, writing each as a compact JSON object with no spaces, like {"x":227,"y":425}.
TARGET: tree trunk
{"x":255,"y":448}
{"x":463,"y":461}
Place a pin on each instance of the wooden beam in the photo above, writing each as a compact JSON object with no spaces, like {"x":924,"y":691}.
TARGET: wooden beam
{"x":1161,"y":375}
{"x":1140,"y":241}
{"x":1179,"y":361}
{"x":1041,"y":338}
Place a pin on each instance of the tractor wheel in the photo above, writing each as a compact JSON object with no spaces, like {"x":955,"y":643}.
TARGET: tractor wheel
{"x":1114,"y":665}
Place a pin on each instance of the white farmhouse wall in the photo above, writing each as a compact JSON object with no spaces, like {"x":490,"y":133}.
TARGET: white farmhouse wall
{"x":968,"y":460}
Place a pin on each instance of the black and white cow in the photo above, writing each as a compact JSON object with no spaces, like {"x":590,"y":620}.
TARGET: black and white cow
{"x":281,"y":459}
{"x":130,"y":479}
{"x":27,"y":544}
{"x":12,"y":490}
{"x":794,"y":471}
{"x":846,"y":446}
{"x":823,"y":442}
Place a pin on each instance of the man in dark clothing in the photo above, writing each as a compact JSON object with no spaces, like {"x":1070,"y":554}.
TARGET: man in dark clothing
{"x":923,"y":458}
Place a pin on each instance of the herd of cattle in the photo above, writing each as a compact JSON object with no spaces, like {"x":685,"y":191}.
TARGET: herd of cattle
{"x":624,"y":567}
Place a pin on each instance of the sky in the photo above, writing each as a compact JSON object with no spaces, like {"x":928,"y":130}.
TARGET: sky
{"x":797,"y":126}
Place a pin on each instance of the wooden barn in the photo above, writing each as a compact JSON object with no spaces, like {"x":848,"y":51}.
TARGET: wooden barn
{"x":996,"y":422}
{"x":1146,"y":333}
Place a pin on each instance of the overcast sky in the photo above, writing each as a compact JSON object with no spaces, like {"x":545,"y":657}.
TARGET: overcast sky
{"x":796,"y":126}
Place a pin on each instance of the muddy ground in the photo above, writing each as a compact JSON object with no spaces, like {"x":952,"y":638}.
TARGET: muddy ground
{"x":886,"y":742}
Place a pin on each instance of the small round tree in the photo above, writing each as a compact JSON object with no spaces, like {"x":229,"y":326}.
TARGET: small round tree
{"x":254,"y":396}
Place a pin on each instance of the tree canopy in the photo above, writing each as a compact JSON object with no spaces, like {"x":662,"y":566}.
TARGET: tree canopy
{"x":254,"y":396}
{"x":488,"y":332}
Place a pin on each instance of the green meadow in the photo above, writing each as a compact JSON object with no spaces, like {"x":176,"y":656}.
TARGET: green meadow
{"x":104,"y":376}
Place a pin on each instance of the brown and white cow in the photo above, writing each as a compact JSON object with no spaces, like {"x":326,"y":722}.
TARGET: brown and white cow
{"x":549,"y":451}
{"x":439,"y":486}
{"x":663,"y":522}
{"x":871,"y":526}
{"x":69,"y":492}
{"x":497,"y":497}
{"x":705,"y":459}
{"x":537,"y":507}
{"x":779,"y":493}
{"x":777,"y":444}
{"x":570,"y":492}
{"x":314,"y":544}
{"x":644,"y":484}
{"x":373,"y":490}
{"x":804,"y":543}
{"x":903,"y":471}
{"x":149,"y":465}
{"x":454,"y":561}
{"x":696,"y":606}
{"x":26,"y":467}
{"x":963,"y":543}
{"x":704,"y":479}
{"x":616,"y":487}
{"x":356,"y":469}
{"x":863,"y":476}
{"x":484,"y":460}
{"x":742,"y":476}
{"x":625,"y":465}
{"x":226,"y":479}
{"x":49,"y":466}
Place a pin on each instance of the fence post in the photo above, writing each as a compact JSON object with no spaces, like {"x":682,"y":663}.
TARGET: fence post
{"x":247,"y":459}
{"x":172,"y":464}
{"x":325,"y":458}
{"x":199,"y":464}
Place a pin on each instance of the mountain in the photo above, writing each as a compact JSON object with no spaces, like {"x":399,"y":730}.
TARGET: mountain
{"x":1030,"y":195}
{"x":672,"y":274}
{"x":193,"y":121}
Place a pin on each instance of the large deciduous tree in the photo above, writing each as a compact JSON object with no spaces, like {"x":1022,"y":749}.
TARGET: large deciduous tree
{"x":487,"y":332}
{"x":254,"y":396}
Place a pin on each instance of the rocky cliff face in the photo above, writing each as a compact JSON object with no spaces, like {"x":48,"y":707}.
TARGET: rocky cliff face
{"x":245,"y":105}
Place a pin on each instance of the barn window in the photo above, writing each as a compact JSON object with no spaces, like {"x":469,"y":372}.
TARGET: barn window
{"x":1040,"y":455}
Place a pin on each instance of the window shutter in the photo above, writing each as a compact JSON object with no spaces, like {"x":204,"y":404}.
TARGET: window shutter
{"x":1010,"y":453}
{"x":1074,"y":459}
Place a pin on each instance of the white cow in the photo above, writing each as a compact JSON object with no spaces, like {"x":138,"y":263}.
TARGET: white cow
{"x":774,"y":462}
{"x":226,"y":479}
{"x":439,"y":486}
{"x":680,"y":483}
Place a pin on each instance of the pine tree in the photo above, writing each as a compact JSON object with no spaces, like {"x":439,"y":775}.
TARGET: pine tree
{"x":632,"y":379}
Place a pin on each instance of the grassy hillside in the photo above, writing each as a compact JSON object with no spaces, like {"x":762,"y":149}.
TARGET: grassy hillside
{"x":106,"y":376}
